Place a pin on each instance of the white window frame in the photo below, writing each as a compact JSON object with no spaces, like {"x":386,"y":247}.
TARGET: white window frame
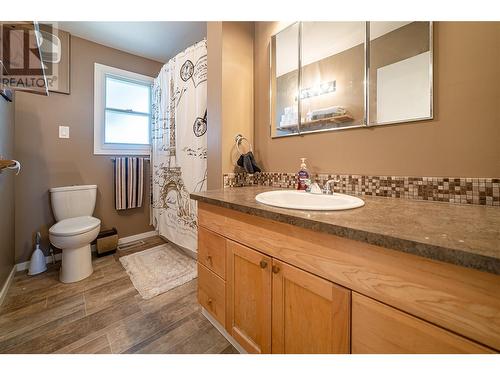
{"x":100,"y":147}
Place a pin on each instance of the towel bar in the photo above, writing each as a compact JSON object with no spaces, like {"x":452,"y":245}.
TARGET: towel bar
{"x":239,"y":139}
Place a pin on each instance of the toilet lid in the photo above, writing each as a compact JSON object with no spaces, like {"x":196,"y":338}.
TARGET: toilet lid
{"x":74,"y":226}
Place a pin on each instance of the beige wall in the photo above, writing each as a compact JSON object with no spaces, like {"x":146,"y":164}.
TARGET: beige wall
{"x":214,"y":105}
{"x":237,"y":93}
{"x":230,"y":94}
{"x":6,"y":191}
{"x":49,"y":161}
{"x":462,"y":140}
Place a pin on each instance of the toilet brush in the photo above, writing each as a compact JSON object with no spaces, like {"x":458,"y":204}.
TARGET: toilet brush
{"x":37,"y":263}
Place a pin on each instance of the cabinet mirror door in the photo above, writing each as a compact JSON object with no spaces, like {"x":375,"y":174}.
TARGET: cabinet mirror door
{"x":400,"y":74}
{"x":285,"y":81}
{"x":332,"y":75}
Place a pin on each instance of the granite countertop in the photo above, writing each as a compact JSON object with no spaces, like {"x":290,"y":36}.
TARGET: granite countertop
{"x":465,"y":235}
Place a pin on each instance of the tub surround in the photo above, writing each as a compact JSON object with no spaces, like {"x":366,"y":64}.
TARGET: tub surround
{"x":464,"y":235}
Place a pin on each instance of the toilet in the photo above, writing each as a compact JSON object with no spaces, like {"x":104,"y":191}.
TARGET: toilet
{"x":75,"y":229}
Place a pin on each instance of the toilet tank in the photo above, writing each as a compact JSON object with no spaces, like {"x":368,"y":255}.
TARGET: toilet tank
{"x":73,"y":201}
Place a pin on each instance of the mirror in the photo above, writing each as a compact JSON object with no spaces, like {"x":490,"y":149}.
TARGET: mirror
{"x":400,"y":83}
{"x":285,"y":81}
{"x":332,"y":75}
{"x":336,"y":75}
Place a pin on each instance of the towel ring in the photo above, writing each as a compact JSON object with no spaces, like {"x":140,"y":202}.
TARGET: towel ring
{"x":239,"y":140}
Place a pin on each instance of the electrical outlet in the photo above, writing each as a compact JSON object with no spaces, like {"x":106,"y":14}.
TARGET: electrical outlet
{"x":63,"y":131}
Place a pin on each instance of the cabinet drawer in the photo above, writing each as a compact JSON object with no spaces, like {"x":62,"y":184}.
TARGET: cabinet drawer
{"x":212,"y":293}
{"x":212,"y":251}
{"x":378,"y":328}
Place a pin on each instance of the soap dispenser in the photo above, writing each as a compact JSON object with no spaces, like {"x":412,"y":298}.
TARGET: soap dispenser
{"x":303,"y":175}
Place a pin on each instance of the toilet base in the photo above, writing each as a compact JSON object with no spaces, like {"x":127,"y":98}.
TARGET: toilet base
{"x":76,"y":264}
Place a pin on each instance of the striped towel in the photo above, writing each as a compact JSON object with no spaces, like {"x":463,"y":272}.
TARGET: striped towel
{"x":129,"y":182}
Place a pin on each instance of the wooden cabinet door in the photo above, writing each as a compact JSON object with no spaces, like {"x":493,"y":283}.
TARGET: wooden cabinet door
{"x":309,"y":314}
{"x":249,"y":298}
{"x":381,"y":329}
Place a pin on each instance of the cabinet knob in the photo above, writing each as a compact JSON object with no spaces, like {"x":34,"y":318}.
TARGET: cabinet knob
{"x":276,"y":269}
{"x":209,"y":258}
{"x":209,"y":301}
{"x":263,"y":264}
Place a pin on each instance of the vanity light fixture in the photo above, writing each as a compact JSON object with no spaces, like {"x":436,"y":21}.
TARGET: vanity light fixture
{"x":321,"y":89}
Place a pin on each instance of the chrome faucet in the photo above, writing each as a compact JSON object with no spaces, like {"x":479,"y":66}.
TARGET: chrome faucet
{"x":326,"y":186}
{"x":314,"y":188}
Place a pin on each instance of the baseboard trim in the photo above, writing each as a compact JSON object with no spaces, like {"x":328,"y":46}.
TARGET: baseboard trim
{"x":223,"y":331}
{"x":48,"y":259}
{"x":6,"y":284}
{"x":136,"y":237}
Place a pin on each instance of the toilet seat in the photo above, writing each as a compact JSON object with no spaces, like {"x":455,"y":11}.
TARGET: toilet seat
{"x":74,"y":226}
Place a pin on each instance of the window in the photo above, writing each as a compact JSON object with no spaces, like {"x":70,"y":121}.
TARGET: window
{"x":122,"y":112}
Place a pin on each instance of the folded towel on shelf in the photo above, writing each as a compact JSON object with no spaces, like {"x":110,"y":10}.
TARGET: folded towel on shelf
{"x":247,"y":162}
{"x":322,"y":113}
{"x":129,"y":182}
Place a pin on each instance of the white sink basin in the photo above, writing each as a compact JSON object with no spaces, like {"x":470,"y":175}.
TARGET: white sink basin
{"x":302,"y":200}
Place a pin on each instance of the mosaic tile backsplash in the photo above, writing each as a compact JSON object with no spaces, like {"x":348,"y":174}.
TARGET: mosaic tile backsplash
{"x":482,"y":191}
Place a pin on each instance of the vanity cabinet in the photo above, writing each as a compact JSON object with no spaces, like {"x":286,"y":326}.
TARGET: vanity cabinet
{"x":280,"y":288}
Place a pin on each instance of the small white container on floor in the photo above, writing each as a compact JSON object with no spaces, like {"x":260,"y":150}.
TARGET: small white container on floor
{"x":37,"y":263}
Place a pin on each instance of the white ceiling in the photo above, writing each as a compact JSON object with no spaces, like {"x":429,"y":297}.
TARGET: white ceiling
{"x":155,"y":40}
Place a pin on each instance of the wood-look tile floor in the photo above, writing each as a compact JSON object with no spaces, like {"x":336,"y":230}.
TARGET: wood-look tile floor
{"x":103,"y":314}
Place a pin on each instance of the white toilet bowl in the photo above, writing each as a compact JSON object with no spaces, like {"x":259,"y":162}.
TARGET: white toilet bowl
{"x":75,"y":229}
{"x":73,"y":236}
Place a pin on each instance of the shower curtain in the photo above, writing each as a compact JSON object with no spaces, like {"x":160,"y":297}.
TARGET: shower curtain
{"x":179,"y":144}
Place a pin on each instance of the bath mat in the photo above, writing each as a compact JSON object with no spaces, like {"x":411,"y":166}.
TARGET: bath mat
{"x":159,"y":269}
